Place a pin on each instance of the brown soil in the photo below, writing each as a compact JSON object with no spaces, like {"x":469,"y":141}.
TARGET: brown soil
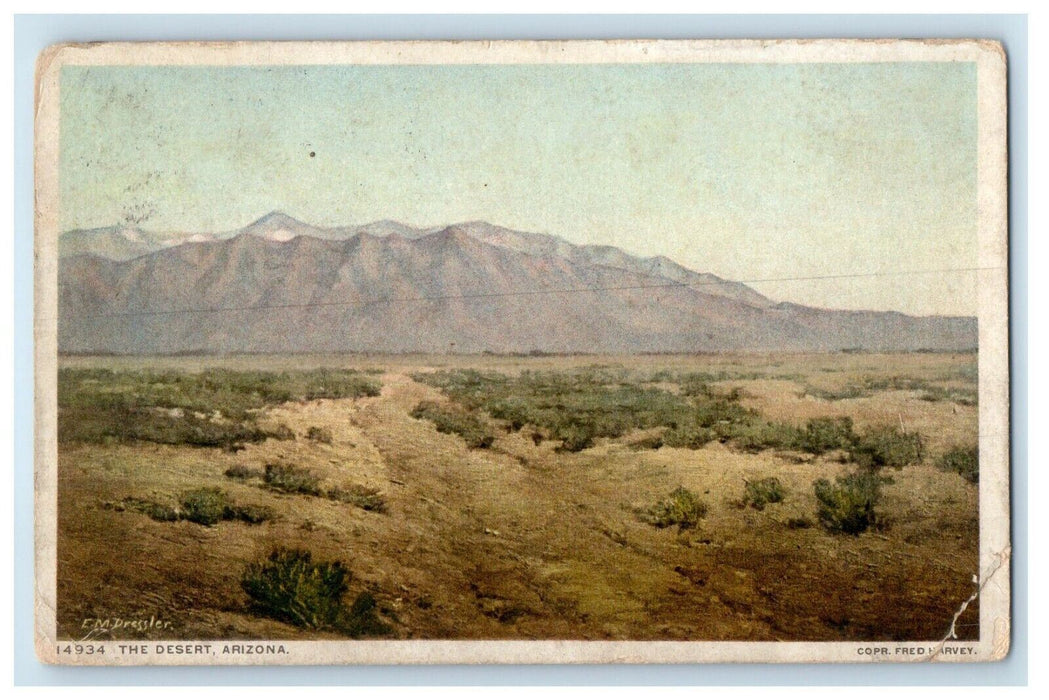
{"x":520,"y":541}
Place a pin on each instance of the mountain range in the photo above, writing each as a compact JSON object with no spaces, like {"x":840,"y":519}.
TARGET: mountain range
{"x":280,"y":285}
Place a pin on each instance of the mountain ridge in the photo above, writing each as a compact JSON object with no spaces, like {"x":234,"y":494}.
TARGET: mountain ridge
{"x":281,"y":285}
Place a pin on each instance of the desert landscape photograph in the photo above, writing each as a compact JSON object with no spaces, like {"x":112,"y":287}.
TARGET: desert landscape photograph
{"x":659,"y":351}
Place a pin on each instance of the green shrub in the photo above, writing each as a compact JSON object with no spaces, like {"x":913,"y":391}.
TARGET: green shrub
{"x":825,"y":434}
{"x":695,"y":385}
{"x":848,"y":506}
{"x":763,"y":435}
{"x":253,"y":515}
{"x":291,"y":587}
{"x":962,"y":460}
{"x":850,"y":391}
{"x":713,"y":411}
{"x":651,"y":442}
{"x":363,"y":620}
{"x":242,"y":473}
{"x":446,"y":419}
{"x":204,"y":506}
{"x":886,"y":446}
{"x":211,"y":408}
{"x":288,"y":478}
{"x":282,"y":432}
{"x":319,"y":435}
{"x":690,"y":436}
{"x":758,"y":494}
{"x":682,"y":508}
{"x":360,"y":496}
{"x":575,"y":406}
{"x":574,"y":437}
{"x":868,"y":386}
{"x":963,"y":397}
{"x":156,"y":511}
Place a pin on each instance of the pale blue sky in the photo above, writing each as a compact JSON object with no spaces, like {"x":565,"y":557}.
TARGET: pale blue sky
{"x":747,"y":171}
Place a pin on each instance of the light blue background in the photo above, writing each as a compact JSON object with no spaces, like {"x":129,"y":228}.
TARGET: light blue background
{"x":33,"y":33}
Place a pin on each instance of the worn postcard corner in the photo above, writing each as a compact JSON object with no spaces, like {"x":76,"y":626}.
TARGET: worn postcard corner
{"x":521,"y":352}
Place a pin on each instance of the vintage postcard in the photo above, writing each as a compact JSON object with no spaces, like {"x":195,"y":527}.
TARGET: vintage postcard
{"x":522,"y":352}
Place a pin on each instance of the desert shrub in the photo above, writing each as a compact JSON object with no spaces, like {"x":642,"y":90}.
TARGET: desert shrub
{"x":695,"y":385}
{"x":360,"y":496}
{"x":682,"y":508}
{"x":760,"y":493}
{"x":868,"y":386}
{"x":282,"y":432}
{"x":253,"y":515}
{"x":760,"y":435}
{"x":574,"y":437}
{"x":288,"y":478}
{"x":963,"y":397}
{"x":571,"y":406}
{"x":720,"y":410}
{"x":157,"y":511}
{"x":847,"y":506}
{"x":291,"y":587}
{"x":242,"y":473}
{"x":849,"y":391}
{"x":886,"y":446}
{"x":825,"y":434}
{"x":447,"y":419}
{"x":579,"y":406}
{"x":119,"y":423}
{"x":317,"y":434}
{"x":651,"y":442}
{"x":962,"y":460}
{"x":689,"y":435}
{"x":204,"y":506}
{"x":211,"y":408}
{"x":363,"y":620}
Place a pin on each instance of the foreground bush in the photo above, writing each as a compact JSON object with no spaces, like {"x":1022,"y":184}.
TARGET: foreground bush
{"x":848,"y":506}
{"x":291,"y":587}
{"x":450,"y":420}
{"x":962,"y":460}
{"x":762,"y":492}
{"x":682,"y":508}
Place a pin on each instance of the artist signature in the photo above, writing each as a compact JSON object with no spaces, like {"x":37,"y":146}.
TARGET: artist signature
{"x":94,"y":627}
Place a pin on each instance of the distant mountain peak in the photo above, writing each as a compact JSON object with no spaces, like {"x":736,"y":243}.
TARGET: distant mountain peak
{"x":276,"y":218}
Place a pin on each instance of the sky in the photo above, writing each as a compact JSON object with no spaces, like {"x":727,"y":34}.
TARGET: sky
{"x":749,"y":171}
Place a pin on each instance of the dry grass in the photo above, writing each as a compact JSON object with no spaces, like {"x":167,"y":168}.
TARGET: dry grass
{"x":524,"y":541}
